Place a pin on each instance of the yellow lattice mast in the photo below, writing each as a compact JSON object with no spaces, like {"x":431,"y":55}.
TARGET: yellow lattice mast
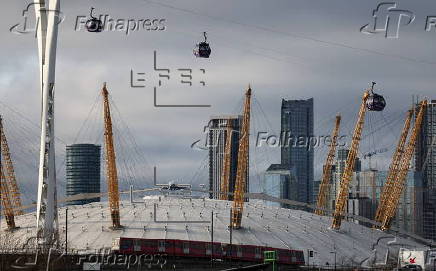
{"x":10,"y":173}
{"x":393,"y":169}
{"x":342,"y":197}
{"x":225,"y":175}
{"x":6,"y":203}
{"x":8,"y":211}
{"x":111,"y":167}
{"x":393,"y":199}
{"x":241,"y":174}
{"x":324,"y":187}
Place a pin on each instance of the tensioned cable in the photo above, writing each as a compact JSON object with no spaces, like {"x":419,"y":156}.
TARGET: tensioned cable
{"x":293,"y":35}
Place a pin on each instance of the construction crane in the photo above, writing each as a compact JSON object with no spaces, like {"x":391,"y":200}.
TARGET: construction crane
{"x":324,"y":187}
{"x":11,"y":181}
{"x":372,"y":102}
{"x":111,"y":167}
{"x":225,"y":175}
{"x":393,"y":169}
{"x":392,"y":200}
{"x":241,"y":174}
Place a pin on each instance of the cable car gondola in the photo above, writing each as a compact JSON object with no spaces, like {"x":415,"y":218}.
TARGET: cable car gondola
{"x":94,"y":24}
{"x":375,"y":102}
{"x":202,"y":49}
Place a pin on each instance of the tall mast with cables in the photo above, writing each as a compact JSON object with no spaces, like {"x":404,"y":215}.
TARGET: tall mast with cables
{"x":393,"y":169}
{"x":324,"y":187}
{"x":47,"y":16}
{"x":242,"y":168}
{"x":342,"y":197}
{"x":111,"y":166}
{"x":392,"y":200}
{"x":6,"y":203}
{"x":225,"y":175}
{"x":372,"y":102}
{"x":8,"y":210}
{"x":9,"y":173}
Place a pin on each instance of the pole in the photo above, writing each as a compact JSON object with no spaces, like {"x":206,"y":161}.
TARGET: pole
{"x":231,"y":232}
{"x":1,"y":195}
{"x":66,"y":231}
{"x":211,"y":240}
{"x":335,"y":260}
{"x":308,"y":257}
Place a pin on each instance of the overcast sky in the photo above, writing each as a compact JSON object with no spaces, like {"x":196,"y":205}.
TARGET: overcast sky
{"x":284,"y":49}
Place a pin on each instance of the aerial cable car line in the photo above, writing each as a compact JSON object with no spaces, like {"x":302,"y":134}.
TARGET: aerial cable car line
{"x":245,"y":50}
{"x":297,"y":36}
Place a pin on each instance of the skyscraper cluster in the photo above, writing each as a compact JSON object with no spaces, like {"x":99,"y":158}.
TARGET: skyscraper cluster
{"x":293,"y":178}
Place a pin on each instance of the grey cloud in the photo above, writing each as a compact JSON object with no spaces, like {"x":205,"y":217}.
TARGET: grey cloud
{"x":277,"y":64}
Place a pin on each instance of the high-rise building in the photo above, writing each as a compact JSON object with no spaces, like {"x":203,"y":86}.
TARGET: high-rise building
{"x":425,"y":166}
{"x":281,"y":183}
{"x":337,"y":171}
{"x":365,"y":191}
{"x":296,"y":151}
{"x":217,"y":138}
{"x":83,"y":171}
